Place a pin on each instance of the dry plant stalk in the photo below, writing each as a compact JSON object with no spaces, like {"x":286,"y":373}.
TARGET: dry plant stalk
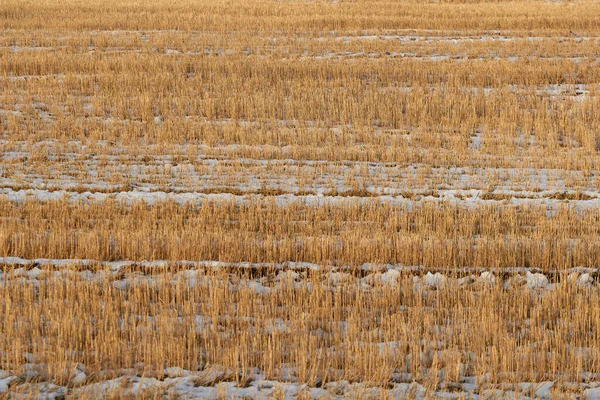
{"x":353,"y":198}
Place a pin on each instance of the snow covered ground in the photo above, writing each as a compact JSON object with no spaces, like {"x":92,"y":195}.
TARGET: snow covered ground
{"x":367,"y":274}
{"x":213,"y":383}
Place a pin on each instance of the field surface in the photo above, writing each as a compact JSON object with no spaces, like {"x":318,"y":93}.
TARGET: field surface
{"x":299,"y":199}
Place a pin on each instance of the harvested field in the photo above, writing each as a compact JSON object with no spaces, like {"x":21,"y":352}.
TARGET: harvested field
{"x":299,"y":199}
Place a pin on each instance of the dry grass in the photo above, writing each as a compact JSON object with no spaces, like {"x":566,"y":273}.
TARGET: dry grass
{"x":354,"y":135}
{"x":319,"y":331}
{"x":354,"y":232}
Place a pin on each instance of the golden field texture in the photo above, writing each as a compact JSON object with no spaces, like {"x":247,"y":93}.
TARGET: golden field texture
{"x":324,"y":330}
{"x":349,"y":234}
{"x":311,"y":199}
